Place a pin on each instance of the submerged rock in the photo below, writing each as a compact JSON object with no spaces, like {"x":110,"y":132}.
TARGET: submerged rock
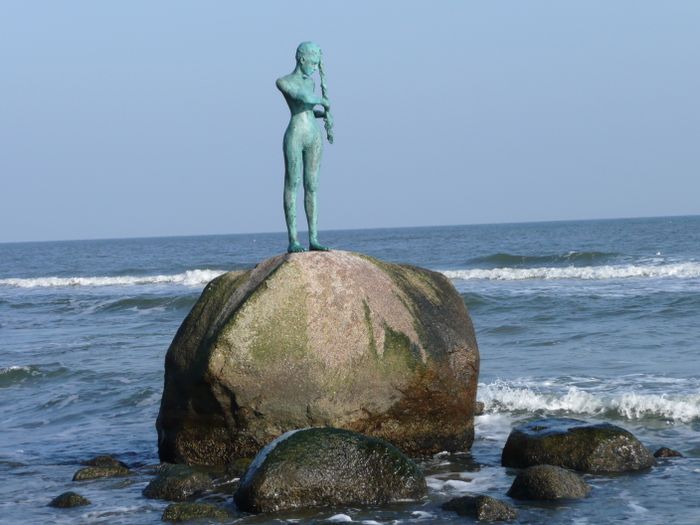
{"x":193,"y":511}
{"x":178,"y":483}
{"x":327,"y":466}
{"x":320,"y":339}
{"x":548,"y":482}
{"x":104,"y":461}
{"x":482,"y":508}
{"x":575,"y":444}
{"x":88,"y":473}
{"x":68,"y":500}
{"x":665,"y":452}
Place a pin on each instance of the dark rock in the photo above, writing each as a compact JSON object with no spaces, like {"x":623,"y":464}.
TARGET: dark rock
{"x":104,"y":461}
{"x":69,"y":499}
{"x":574,"y":444}
{"x":325,"y":467}
{"x":665,"y":452}
{"x":238,"y":467}
{"x":320,"y":339}
{"x":88,"y":473}
{"x":548,"y":482}
{"x":178,"y":483}
{"x":479,"y":408}
{"x":482,"y":508}
{"x":192,"y":511}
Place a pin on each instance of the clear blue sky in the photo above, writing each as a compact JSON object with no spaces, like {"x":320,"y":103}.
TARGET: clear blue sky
{"x":132,"y":118}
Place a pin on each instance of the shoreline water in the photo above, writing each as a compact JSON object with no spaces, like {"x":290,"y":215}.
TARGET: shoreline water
{"x":81,"y":364}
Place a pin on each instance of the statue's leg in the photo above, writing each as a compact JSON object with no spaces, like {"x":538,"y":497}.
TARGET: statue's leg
{"x":312,"y":166}
{"x":292,"y":176}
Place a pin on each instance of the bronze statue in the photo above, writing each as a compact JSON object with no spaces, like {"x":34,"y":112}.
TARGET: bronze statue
{"x":303,"y":143}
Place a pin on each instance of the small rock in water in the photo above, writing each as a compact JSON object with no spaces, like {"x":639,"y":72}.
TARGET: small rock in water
{"x":104,"y":461}
{"x":483,"y":508}
{"x":88,"y":473}
{"x":68,"y":500}
{"x":547,"y":482}
{"x":575,"y":444}
{"x":177,"y":483}
{"x":479,"y":408}
{"x":192,"y":511}
{"x":327,"y":467}
{"x":665,"y":452}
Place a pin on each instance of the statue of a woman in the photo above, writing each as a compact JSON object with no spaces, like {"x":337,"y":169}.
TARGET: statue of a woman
{"x":303,"y":143}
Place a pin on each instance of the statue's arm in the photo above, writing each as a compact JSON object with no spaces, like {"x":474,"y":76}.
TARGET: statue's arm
{"x":297,"y":93}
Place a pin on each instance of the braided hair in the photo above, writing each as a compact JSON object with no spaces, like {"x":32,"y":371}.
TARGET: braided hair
{"x":327,"y":117}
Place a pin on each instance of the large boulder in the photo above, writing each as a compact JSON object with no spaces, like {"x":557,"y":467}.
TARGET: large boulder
{"x":575,"y":444}
{"x":327,"y":467}
{"x":332,"y":339}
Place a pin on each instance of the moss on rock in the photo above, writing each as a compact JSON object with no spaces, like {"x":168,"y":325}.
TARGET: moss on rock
{"x":68,"y":500}
{"x":89,"y":473}
{"x":194,"y":511}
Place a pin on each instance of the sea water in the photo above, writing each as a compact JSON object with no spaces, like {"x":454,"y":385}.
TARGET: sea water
{"x":598,"y":320}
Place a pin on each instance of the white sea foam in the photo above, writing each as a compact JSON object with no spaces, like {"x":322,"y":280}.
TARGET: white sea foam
{"x":686,"y":270}
{"x":502,"y":396}
{"x":339,"y":518}
{"x":188,"y":278}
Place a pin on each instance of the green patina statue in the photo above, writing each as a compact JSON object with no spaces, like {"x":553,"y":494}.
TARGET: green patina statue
{"x":303,"y":143}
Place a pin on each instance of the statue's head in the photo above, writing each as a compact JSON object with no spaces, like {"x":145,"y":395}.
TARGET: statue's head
{"x":308,"y":57}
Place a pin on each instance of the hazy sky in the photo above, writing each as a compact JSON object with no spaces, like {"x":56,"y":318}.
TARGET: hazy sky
{"x":133,"y":118}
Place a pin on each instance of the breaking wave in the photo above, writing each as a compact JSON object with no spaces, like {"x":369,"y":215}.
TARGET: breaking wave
{"x":687,"y":270}
{"x":502,"y":396}
{"x":188,"y":278}
{"x":14,"y":375}
{"x":573,"y":257}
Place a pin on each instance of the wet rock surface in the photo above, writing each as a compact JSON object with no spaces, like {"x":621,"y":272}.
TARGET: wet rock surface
{"x":575,"y":444}
{"x":665,"y":452}
{"x":178,"y":483}
{"x":194,"y":511}
{"x":88,"y":473}
{"x":104,"y":461}
{"x":325,"y":467}
{"x":482,"y":508}
{"x":548,"y":482}
{"x":333,"y":339}
{"x":68,"y":500}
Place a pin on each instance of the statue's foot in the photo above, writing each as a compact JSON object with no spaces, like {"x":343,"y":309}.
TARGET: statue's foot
{"x":295,"y":247}
{"x":316,"y":247}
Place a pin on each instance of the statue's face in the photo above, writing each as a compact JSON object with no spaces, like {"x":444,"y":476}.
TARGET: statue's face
{"x":309,"y":64}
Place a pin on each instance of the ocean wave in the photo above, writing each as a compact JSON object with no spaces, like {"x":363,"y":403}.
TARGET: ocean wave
{"x":573,"y":257}
{"x":687,"y":270}
{"x":502,"y":396}
{"x":14,"y":375}
{"x":188,"y":278}
{"x":149,"y":303}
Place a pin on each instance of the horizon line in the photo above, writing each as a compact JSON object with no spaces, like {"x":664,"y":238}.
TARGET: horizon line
{"x":377,"y":228}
